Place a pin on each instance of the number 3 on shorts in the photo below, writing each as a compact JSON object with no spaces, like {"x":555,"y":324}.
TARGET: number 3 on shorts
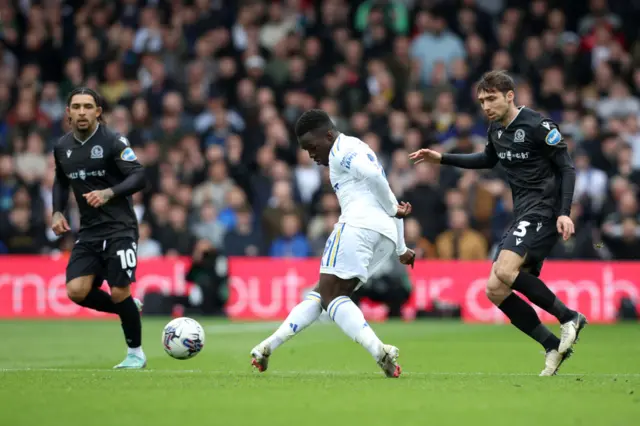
{"x":127,"y":258}
{"x":522,"y":229}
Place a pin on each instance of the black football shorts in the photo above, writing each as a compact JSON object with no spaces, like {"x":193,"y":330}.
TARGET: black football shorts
{"x":531,"y":238}
{"x":114,"y":260}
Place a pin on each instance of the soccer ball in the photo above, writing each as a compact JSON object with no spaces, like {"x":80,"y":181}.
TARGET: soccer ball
{"x":183,"y":338}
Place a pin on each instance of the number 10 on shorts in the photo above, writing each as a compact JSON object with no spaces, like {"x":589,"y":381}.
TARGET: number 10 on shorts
{"x":127,"y":258}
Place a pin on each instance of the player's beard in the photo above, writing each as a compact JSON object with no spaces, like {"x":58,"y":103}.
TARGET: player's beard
{"x":84,"y":132}
{"x":500,"y":118}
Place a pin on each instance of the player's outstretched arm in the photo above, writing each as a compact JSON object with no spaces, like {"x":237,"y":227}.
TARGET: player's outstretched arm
{"x":486,"y":159}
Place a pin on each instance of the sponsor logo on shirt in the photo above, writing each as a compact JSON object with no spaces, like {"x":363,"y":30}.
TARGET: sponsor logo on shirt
{"x":553,"y":137}
{"x":346,"y":161}
{"x":128,"y":155}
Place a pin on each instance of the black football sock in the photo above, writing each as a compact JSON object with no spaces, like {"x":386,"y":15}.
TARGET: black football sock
{"x":538,"y":292}
{"x":99,"y":300}
{"x":526,"y":320}
{"x":131,"y":324}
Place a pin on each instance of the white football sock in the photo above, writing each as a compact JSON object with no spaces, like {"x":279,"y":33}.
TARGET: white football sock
{"x":301,"y":316}
{"x":350,"y":319}
{"x":136,"y":351}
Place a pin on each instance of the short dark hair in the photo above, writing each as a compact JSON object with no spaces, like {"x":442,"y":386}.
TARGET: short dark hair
{"x":496,"y":81}
{"x":313,"y":120}
{"x":87,"y":91}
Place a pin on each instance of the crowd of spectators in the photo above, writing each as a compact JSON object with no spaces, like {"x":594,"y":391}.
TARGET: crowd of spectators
{"x":207,"y":92}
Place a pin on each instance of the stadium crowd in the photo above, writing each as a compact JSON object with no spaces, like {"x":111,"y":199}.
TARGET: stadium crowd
{"x":207,"y":92}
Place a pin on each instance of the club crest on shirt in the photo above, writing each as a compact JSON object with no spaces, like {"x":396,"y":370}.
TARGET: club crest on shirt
{"x":519,"y":136}
{"x":97,"y":152}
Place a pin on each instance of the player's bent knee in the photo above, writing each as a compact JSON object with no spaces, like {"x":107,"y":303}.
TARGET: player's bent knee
{"x":505,"y":273}
{"x":497,"y":292}
{"x":331,"y":287}
{"x":76,"y":294}
{"x":78,"y":288}
{"x":119,"y":294}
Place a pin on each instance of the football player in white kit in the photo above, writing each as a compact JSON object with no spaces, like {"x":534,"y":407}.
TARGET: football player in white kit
{"x":369,"y":230}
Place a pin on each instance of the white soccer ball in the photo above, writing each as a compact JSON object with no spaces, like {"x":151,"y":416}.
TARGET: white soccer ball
{"x":183,"y":338}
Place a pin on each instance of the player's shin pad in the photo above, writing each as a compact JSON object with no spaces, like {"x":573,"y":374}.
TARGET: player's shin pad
{"x":350,"y":319}
{"x":301,"y":316}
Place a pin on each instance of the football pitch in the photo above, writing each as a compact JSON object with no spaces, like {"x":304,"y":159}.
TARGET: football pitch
{"x":59,"y":373}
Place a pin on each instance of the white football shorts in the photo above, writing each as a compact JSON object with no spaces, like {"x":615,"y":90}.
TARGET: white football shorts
{"x":353,"y":252}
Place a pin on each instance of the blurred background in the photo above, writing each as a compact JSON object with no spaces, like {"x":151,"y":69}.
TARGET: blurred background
{"x":208,"y":91}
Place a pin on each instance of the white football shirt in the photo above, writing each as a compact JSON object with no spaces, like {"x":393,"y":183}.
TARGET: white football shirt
{"x":365,"y":198}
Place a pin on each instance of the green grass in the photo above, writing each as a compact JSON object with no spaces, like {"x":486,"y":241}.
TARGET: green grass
{"x":59,"y":373}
